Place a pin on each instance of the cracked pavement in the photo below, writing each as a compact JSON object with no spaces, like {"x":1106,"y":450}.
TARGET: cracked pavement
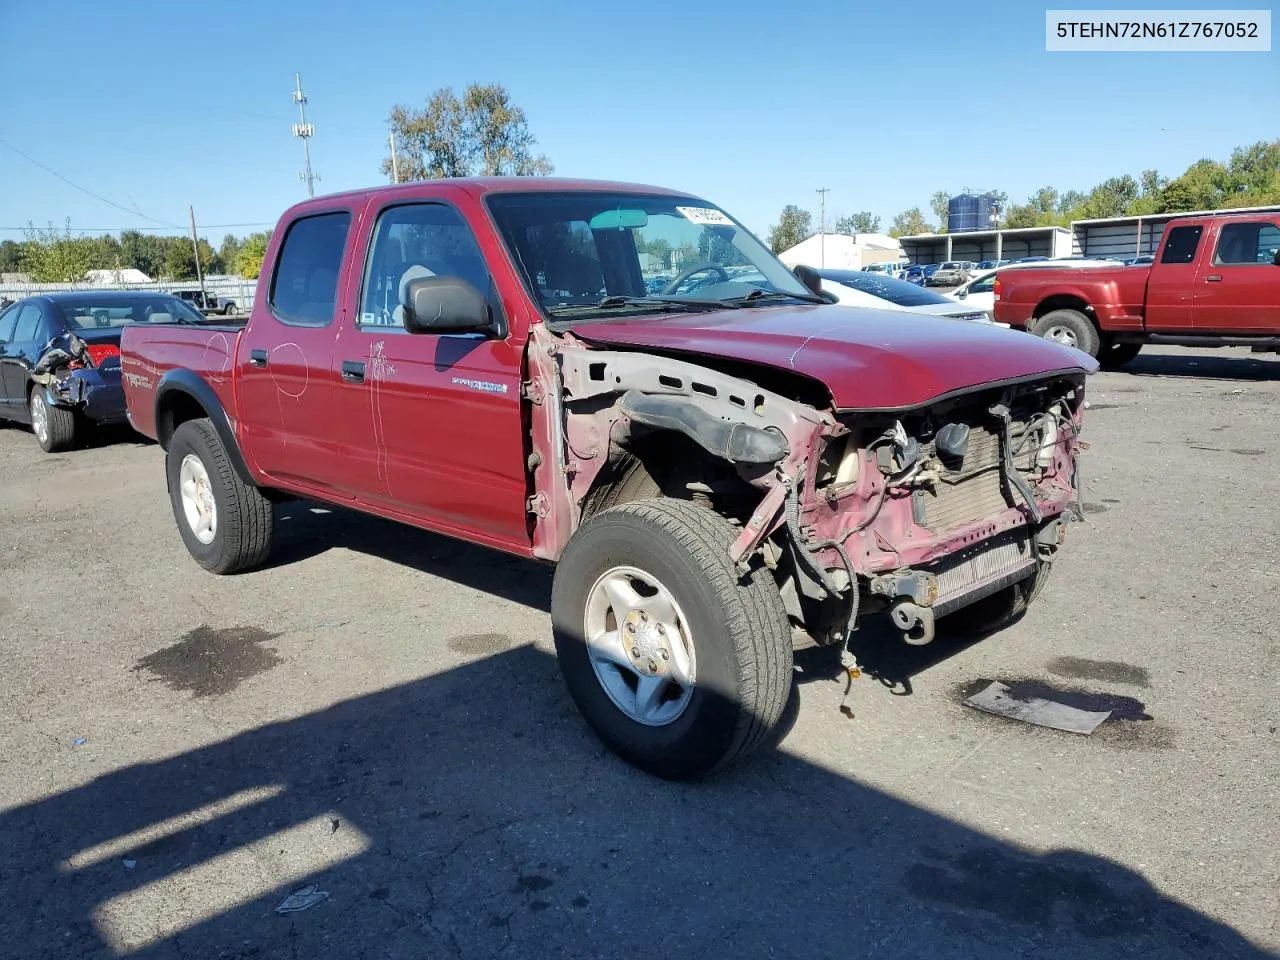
{"x":403,"y":685}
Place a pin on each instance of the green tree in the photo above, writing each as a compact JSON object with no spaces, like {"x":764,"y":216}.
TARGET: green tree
{"x":1111,"y":198}
{"x":480,"y":133}
{"x":794,"y":226}
{"x":53,"y":257}
{"x":227,"y":253}
{"x":251,"y":253}
{"x":10,"y":256}
{"x":909,"y":223}
{"x":940,"y":204}
{"x":861,"y":222}
{"x":142,"y":251}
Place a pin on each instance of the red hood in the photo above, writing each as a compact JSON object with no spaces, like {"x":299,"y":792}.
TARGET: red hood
{"x":868,"y":359}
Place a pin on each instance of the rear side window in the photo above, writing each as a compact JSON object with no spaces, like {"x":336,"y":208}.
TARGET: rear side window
{"x":304,"y":286}
{"x":28,"y":321}
{"x":1242,"y":243}
{"x":1181,"y":245}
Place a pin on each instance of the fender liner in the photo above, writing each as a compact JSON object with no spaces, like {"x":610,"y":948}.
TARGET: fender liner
{"x":190,"y":384}
{"x":730,"y":440}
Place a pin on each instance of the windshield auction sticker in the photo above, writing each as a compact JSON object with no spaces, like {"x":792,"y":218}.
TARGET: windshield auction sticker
{"x":1185,"y":31}
{"x":704,"y":215}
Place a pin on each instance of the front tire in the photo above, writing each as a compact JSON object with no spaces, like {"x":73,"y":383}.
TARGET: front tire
{"x":54,"y":427}
{"x":225,"y":523}
{"x":1070,"y":328}
{"x":678,"y":663}
{"x":1116,"y":355}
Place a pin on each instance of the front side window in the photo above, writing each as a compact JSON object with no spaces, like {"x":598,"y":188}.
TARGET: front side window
{"x":1181,"y":245}
{"x":304,"y":285}
{"x":576,"y":249}
{"x":417,"y":240}
{"x":1251,"y":243}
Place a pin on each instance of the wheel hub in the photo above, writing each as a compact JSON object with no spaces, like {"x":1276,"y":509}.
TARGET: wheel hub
{"x":645,"y":641}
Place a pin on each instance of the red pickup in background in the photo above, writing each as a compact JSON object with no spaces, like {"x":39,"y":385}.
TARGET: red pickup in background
{"x":1215,"y":282}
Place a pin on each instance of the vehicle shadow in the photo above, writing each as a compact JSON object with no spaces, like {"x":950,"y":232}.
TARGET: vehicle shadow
{"x":470,"y":814}
{"x":306,"y":528}
{"x":1206,"y":365}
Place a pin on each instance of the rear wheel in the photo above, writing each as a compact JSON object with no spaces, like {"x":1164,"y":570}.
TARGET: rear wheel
{"x":225,"y":523}
{"x":54,"y":427}
{"x":1116,"y":355}
{"x":1070,"y":328}
{"x":678,"y":663}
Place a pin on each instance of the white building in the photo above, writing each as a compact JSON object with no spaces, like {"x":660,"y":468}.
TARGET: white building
{"x":841,"y":251}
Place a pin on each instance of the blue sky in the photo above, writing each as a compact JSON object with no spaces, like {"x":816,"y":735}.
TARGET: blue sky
{"x":751,"y":104}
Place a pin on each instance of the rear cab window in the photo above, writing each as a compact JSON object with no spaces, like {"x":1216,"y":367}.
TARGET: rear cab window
{"x":1181,"y":244}
{"x":1247,"y":244}
{"x":304,"y":280}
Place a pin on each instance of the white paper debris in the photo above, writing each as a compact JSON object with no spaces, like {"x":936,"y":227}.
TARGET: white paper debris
{"x":998,"y":699}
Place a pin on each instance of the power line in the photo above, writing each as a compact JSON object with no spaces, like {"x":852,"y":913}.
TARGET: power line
{"x":85,"y":190}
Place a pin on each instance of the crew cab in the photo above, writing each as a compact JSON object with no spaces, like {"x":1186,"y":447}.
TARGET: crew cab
{"x":721,"y":470}
{"x":1214,"y":282}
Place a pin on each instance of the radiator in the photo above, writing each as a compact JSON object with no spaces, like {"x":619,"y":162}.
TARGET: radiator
{"x":982,"y":569}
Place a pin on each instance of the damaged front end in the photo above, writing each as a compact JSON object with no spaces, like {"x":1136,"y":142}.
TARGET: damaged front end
{"x":82,"y":375}
{"x":920,"y":512}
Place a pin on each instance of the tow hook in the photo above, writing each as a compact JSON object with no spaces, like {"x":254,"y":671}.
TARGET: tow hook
{"x":915,"y":622}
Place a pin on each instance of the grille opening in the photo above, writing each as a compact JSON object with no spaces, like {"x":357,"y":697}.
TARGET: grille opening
{"x":675,"y":383}
{"x":596,"y":371}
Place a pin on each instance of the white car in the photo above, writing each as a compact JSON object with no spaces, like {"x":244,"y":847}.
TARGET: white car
{"x":861,"y":288}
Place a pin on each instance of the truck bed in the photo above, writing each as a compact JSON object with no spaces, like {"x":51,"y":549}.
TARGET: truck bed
{"x":148,"y":352}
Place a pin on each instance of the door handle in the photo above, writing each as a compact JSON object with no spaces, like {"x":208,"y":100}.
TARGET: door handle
{"x":257,"y":358}
{"x":1213,"y":278}
{"x":353,"y":371}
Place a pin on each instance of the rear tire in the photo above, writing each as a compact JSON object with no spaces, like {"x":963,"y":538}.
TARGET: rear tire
{"x":1071,"y":328}
{"x":54,"y":427}
{"x":1116,"y":355}
{"x":734,"y":626}
{"x":239,"y":534}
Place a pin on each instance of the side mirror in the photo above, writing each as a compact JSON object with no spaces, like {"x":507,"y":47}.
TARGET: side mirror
{"x":961,"y":294}
{"x":1275,"y":258}
{"x":444,"y":305}
{"x":809,"y":277}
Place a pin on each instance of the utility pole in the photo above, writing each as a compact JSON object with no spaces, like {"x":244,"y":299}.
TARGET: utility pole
{"x":305,"y":131}
{"x":822,"y":225}
{"x":195,"y":247}
{"x":395,"y":167}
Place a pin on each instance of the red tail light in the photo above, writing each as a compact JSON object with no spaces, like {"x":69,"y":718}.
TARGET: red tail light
{"x":101,"y":352}
{"x":995,"y":289}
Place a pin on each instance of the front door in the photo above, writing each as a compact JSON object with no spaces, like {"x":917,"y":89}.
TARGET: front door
{"x":18,"y":355}
{"x":430,"y":424}
{"x":1238,"y":290}
{"x":284,"y":356}
{"x":1171,"y":282}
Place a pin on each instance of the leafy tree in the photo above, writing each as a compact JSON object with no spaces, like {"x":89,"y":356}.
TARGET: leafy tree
{"x":910,"y":222}
{"x":10,"y":256}
{"x":251,"y":253}
{"x":794,"y":226}
{"x":1069,"y":201}
{"x":860,"y":222}
{"x":142,"y":251}
{"x":53,"y":257}
{"x":940,"y":204}
{"x":227,"y":253}
{"x":1111,"y":198}
{"x":481,"y":132}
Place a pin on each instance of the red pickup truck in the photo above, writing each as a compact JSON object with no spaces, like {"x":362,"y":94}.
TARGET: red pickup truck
{"x":1214,"y":283}
{"x":722,"y":464}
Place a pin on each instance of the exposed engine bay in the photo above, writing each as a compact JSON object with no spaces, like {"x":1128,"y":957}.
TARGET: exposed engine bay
{"x":920,"y":512}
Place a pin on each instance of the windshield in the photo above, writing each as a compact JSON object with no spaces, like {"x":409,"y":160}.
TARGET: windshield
{"x":91,"y":313}
{"x":577,"y":248}
{"x":950,"y":265}
{"x":886,"y":288}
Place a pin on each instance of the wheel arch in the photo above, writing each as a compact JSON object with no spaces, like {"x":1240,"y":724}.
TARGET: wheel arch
{"x":181,"y":396}
{"x":1065,"y":301}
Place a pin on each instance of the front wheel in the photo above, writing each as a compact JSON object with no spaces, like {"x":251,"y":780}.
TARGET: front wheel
{"x":1070,"y":328}
{"x":225,"y":523}
{"x":679,"y":664}
{"x":1116,"y":355}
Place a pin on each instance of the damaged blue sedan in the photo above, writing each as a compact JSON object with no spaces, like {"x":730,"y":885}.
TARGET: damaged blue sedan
{"x":60,"y":358}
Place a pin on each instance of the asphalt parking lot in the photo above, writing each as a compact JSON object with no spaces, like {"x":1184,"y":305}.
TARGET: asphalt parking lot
{"x":378,"y":713}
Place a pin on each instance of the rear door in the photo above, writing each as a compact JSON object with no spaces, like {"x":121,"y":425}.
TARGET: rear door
{"x":282,"y":361}
{"x":1238,"y":287}
{"x":19,"y":356}
{"x":8,"y":320}
{"x":430,"y":425}
{"x":1171,"y":280}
